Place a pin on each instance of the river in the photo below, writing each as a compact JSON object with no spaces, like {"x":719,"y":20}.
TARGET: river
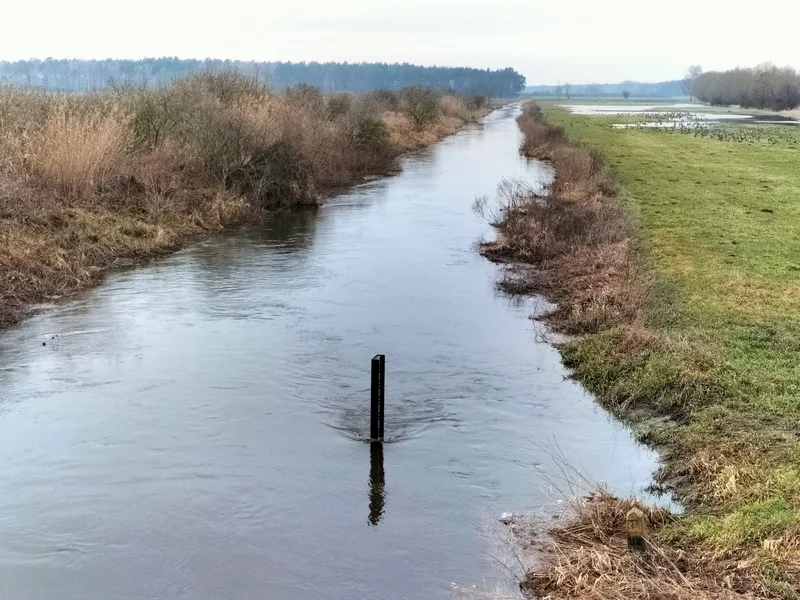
{"x":194,"y":428}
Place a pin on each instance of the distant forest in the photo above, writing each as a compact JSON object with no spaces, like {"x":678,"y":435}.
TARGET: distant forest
{"x":636,"y":89}
{"x":86,"y":75}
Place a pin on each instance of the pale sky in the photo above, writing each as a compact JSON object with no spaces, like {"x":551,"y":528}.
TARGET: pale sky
{"x":579,"y":41}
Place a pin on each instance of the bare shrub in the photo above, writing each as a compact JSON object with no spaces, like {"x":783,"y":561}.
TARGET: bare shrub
{"x":227,"y":87}
{"x":307,"y":96}
{"x":338,"y":105}
{"x":156,"y":114}
{"x":366,"y":127}
{"x":421,"y":104}
{"x":371,"y":135}
{"x":248,"y":149}
{"x":276,"y":175}
{"x":384,"y":99}
{"x":476,"y":102}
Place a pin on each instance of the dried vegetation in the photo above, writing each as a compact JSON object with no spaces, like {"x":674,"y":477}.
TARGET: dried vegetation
{"x":89,"y":180}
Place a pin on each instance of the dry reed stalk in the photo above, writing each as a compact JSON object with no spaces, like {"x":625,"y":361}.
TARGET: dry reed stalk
{"x":77,"y":153}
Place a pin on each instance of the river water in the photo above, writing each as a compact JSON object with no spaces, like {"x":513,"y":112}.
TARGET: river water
{"x":194,"y":428}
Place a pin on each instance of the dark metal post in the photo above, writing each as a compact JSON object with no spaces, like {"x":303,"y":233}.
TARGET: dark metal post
{"x":376,"y":397}
{"x":375,"y":406}
{"x":382,"y":358}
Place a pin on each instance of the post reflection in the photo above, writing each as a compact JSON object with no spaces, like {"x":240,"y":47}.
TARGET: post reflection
{"x":377,"y":483}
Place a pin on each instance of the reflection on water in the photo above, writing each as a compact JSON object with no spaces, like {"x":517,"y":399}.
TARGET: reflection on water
{"x":377,"y":483}
{"x":193,"y":429}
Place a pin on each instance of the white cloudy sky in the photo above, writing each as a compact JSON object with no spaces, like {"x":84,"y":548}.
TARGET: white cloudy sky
{"x":568,"y":40}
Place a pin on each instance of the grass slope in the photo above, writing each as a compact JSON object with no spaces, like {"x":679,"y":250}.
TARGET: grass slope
{"x":720,"y":221}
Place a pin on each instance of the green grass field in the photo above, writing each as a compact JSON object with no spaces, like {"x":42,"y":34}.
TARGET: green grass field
{"x":720,"y":221}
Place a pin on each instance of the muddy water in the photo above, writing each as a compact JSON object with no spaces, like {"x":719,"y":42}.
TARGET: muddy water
{"x":193,"y":429}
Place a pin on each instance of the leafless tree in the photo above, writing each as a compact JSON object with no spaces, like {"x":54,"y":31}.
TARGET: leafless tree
{"x":693,"y":73}
{"x":765,"y":86}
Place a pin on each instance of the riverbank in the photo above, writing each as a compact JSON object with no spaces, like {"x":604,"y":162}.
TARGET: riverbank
{"x":91,"y":181}
{"x":675,"y":266}
{"x":177,"y":394}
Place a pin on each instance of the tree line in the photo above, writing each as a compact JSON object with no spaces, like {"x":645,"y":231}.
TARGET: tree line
{"x":765,"y":86}
{"x":639,"y":89}
{"x":86,"y":75}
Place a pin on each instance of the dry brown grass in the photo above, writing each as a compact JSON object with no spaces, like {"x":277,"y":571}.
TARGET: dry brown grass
{"x":586,"y":557}
{"x":88,"y":181}
{"x":576,"y":235}
{"x":452,"y":106}
{"x":77,"y":153}
{"x":407,"y":136}
{"x":540,"y":139}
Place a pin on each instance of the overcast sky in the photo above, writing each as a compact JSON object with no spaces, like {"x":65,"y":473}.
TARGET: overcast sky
{"x":579,"y":41}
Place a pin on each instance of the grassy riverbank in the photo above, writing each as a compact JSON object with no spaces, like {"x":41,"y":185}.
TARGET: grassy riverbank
{"x":87,"y":181}
{"x":678,"y":265}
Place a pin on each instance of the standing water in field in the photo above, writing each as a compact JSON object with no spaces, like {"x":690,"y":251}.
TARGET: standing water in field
{"x":195,"y":428}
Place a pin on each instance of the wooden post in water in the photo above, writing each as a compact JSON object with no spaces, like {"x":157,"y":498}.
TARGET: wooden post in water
{"x":636,"y":528}
{"x":377,"y":389}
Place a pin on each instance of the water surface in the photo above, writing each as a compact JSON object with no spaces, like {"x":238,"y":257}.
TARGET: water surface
{"x":676,"y":115}
{"x":194,"y":429}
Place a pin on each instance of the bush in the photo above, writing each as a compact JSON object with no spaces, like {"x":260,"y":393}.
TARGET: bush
{"x":307,"y":96}
{"x":278,"y":175}
{"x":421,"y":104}
{"x":371,"y":135}
{"x":476,"y":102}
{"x":227,"y":87}
{"x":249,"y":150}
{"x":338,"y":105}
{"x":156,"y":114}
{"x":384,"y":99}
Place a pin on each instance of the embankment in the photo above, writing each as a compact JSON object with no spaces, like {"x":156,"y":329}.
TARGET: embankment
{"x":678,"y":286}
{"x":88,"y":181}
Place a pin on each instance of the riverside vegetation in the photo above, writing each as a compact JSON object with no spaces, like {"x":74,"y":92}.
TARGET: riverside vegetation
{"x":675,"y":268}
{"x":88,"y":181}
